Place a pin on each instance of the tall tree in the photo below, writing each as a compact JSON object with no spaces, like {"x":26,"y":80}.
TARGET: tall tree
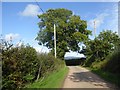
{"x":104,"y":44}
{"x":71,"y":30}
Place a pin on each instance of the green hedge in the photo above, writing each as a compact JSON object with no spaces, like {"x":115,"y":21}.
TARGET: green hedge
{"x":21,"y":65}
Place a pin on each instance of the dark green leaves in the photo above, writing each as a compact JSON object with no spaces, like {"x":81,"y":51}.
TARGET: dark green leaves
{"x":18,"y":63}
{"x":70,"y":30}
{"x":103,"y":45}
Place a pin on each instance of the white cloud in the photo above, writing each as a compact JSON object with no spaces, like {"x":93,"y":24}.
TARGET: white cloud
{"x":114,"y":20}
{"x":112,"y":23}
{"x":73,"y":13}
{"x":19,"y":43}
{"x":11,"y":36}
{"x":42,"y":49}
{"x":98,"y":20}
{"x":107,"y":20}
{"x":30,"y":10}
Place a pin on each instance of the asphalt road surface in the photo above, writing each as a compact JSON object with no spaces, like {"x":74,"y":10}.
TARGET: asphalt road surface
{"x":79,"y":77}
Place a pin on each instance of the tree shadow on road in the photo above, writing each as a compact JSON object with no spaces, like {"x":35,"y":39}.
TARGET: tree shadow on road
{"x":90,"y":78}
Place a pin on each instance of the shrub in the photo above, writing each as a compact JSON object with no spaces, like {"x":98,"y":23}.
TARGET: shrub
{"x":22,"y":65}
{"x":88,"y":62}
{"x":113,"y":62}
{"x":17,"y":64}
{"x":48,"y":63}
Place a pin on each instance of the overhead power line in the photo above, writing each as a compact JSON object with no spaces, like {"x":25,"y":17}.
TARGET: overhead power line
{"x":54,"y":29}
{"x":39,"y":6}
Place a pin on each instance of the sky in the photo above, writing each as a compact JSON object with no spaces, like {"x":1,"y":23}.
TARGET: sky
{"x":61,"y":0}
{"x":19,"y":19}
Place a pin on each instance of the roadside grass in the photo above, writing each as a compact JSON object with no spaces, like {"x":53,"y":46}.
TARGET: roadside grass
{"x":110,"y":77}
{"x":53,"y":80}
{"x":108,"y":69}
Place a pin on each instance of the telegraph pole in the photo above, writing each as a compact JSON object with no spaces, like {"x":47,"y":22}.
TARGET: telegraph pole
{"x":95,"y":28}
{"x":55,"y":39}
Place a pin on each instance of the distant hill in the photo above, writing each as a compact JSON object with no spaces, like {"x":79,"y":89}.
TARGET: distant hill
{"x":71,"y":57}
{"x":75,"y":57}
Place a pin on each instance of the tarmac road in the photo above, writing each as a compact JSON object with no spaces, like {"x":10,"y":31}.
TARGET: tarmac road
{"x":79,"y":77}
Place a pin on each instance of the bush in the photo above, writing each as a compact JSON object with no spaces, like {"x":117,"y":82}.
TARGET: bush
{"x":88,"y":62}
{"x":113,"y":63}
{"x":22,"y":65}
{"x":17,"y":64}
{"x":48,"y":63}
{"x":110,"y":64}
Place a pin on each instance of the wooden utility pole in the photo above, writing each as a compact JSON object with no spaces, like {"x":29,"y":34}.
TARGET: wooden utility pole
{"x":95,"y":28}
{"x":55,"y":39}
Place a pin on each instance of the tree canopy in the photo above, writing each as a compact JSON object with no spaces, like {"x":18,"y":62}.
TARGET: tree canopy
{"x":103,"y":54}
{"x":70,"y":30}
{"x":104,"y":44}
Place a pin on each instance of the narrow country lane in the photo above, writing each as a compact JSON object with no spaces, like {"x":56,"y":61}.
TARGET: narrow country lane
{"x":79,"y":77}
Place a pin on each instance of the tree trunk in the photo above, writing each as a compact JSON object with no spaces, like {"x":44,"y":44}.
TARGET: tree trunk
{"x":38,"y":73}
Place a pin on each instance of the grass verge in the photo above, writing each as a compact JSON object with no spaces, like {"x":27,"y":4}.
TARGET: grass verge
{"x":110,"y":77}
{"x":53,"y":80}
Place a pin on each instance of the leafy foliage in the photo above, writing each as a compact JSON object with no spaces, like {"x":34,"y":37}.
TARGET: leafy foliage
{"x":113,"y":60}
{"x":103,"y":56}
{"x":101,"y":46}
{"x":17,"y":65}
{"x":20,"y":65}
{"x":70,"y":30}
{"x":48,"y":63}
{"x":103,"y":52}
